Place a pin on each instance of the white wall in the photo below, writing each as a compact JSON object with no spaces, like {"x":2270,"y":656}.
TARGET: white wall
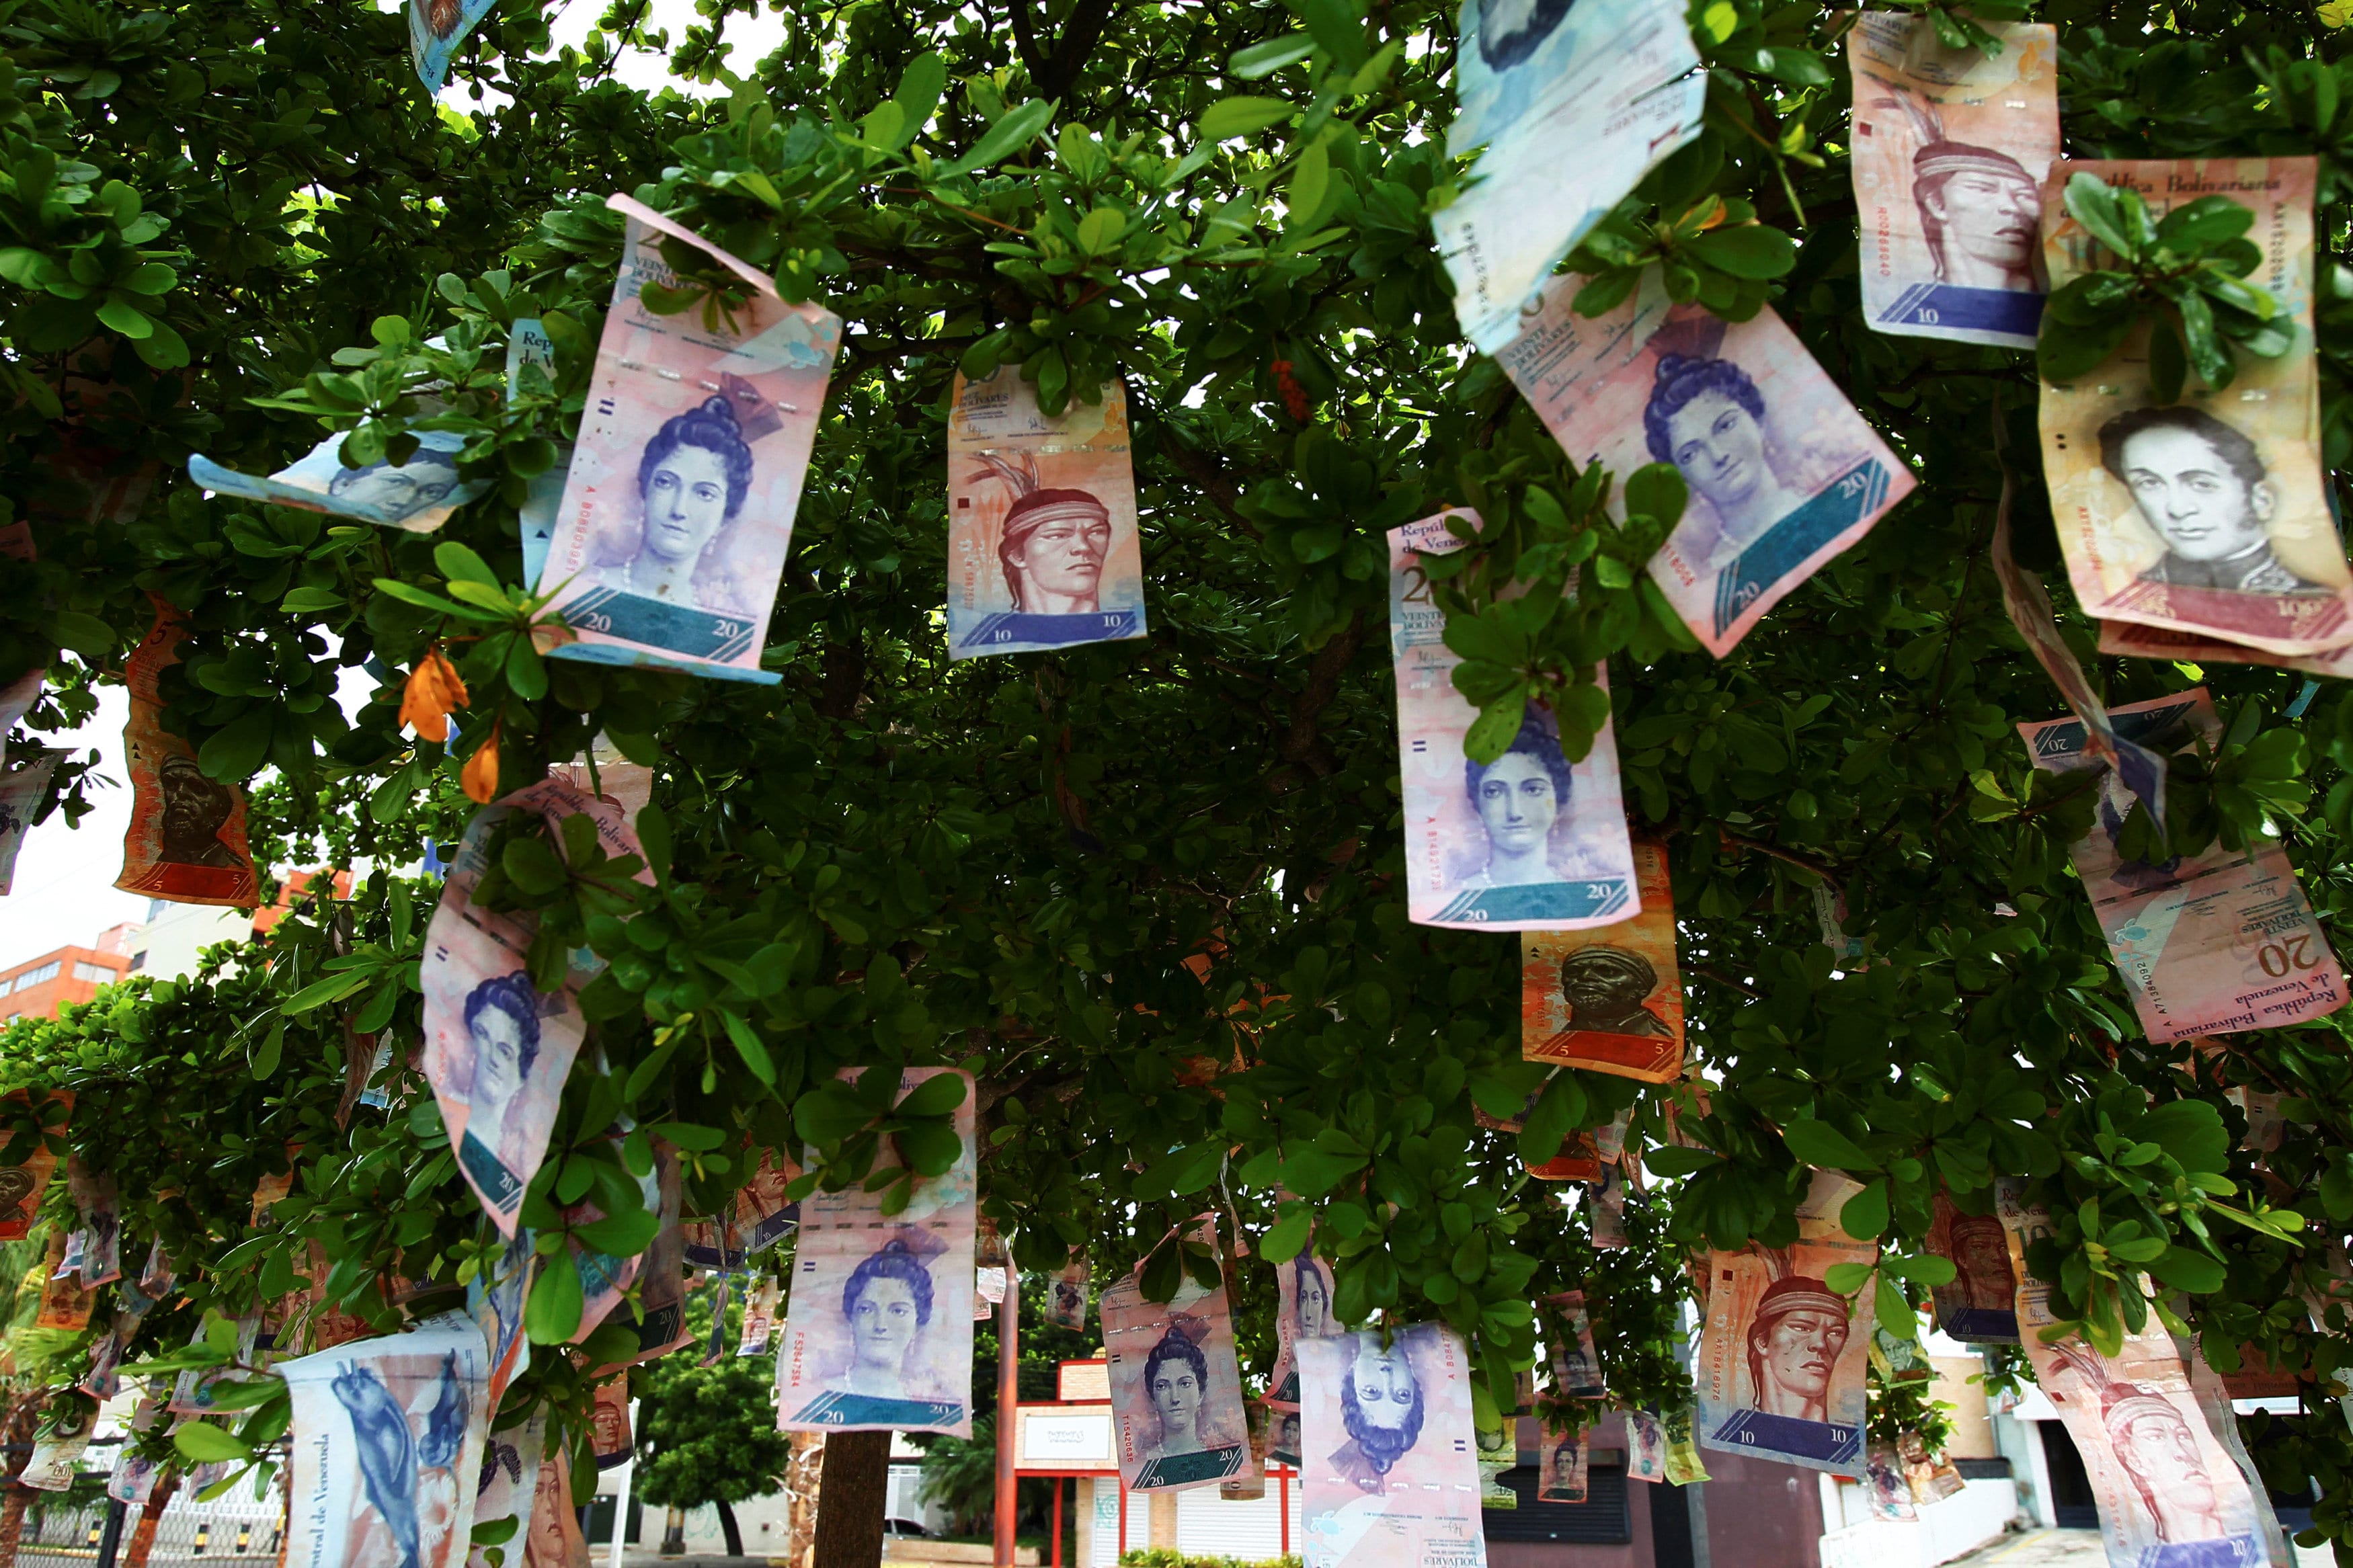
{"x":177,"y":935}
{"x":1946,"y":1529}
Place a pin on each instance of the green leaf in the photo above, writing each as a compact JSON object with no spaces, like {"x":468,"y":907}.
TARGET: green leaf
{"x":1747,"y":250}
{"x":551,"y":1314}
{"x":1016,"y":129}
{"x":1287,"y":1238}
{"x":618,"y":1236}
{"x":1337,"y":26}
{"x":918,"y":95}
{"x":1101,"y":229}
{"x":1492,"y":732}
{"x":1231,"y":117}
{"x":1894,"y":1313}
{"x":1824,"y":1147}
{"x":2094,"y":206}
{"x":1865,"y":1215}
{"x":749,"y":1046}
{"x":1264,"y":60}
{"x":2184,"y":1268}
{"x":1846,"y":1279}
{"x":1311,"y":182}
{"x":202,"y":1443}
{"x":936,"y":1095}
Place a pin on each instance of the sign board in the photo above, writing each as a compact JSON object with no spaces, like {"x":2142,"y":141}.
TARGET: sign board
{"x":1084,"y":1382}
{"x":1065,"y":1438}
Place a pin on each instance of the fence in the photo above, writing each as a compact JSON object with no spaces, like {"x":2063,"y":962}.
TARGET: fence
{"x":64,"y":1528}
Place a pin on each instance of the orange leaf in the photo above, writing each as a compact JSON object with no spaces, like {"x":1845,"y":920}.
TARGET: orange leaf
{"x":433,"y":689}
{"x":481,"y":776}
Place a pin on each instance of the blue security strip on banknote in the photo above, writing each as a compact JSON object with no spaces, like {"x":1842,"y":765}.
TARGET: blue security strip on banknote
{"x":1819,"y":1441}
{"x":1588,"y":900}
{"x":702,"y":641}
{"x":1973,"y":310}
{"x":1837,"y":507}
{"x":1013,"y":631}
{"x":1187,"y":1470}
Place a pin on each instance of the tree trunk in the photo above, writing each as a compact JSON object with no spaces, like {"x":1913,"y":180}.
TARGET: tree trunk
{"x":727,"y":1527}
{"x":142,"y":1536}
{"x":674,"y":1533}
{"x":851,"y":1499}
{"x":12,"y":1523}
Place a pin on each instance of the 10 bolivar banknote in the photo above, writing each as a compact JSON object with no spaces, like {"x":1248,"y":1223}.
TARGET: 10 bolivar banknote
{"x":2207,"y":514}
{"x":1529,"y":841}
{"x":1950,"y":149}
{"x":1043,"y":549}
{"x":1783,"y":474}
{"x":2214,"y":943}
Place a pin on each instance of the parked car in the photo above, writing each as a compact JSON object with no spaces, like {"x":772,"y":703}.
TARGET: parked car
{"x":906,"y":1527}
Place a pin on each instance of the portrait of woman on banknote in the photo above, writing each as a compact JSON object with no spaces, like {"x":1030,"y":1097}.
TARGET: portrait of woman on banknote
{"x":1523,"y":798}
{"x":1310,"y":1313}
{"x":886,"y":1305}
{"x":502,"y":1028}
{"x":692,"y":478}
{"x":1176,"y":1380}
{"x":2203,"y":488}
{"x":1381,"y":1411}
{"x":1503,"y":76}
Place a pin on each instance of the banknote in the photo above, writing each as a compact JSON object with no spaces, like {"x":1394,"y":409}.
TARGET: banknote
{"x":66,"y":1301}
{"x":1782,"y":1361}
{"x":1646,"y":1448}
{"x":661,"y":1281}
{"x":1302,"y":1310}
{"x":418,"y":496}
{"x":1783,"y":473}
{"x":2211,"y":944}
{"x":605,"y":1278}
{"x":1066,"y":1294}
{"x":98,"y":1202}
{"x":762,"y":1215}
{"x":1609,"y":999}
{"x":1569,"y":1329}
{"x":1390,"y":1472}
{"x":2141,"y":770}
{"x":2135,"y":641}
{"x":436,"y":29}
{"x":1497,"y":1455}
{"x":497,"y":1050}
{"x":878,"y":1333}
{"x":1884,"y":1486}
{"x":494,"y":1300}
{"x":1573,"y":104}
{"x":1609,"y":1220}
{"x":1249,"y":1484}
{"x":23,"y":1184}
{"x":186,"y":843}
{"x":58,"y":1443}
{"x":555,"y":1539}
{"x":16,"y":698}
{"x":1528,"y":842}
{"x":2210,"y":514}
{"x":1980,"y":1305}
{"x":136,"y":1473}
{"x":1043,"y":544}
{"x":2167,"y":1493}
{"x":989,"y":1267}
{"x":508,"y":1487}
{"x":2213,"y":1395}
{"x":1176,"y":1386}
{"x":608,"y":1424}
{"x":23,"y":788}
{"x":677,"y":504}
{"x":193,"y":1391}
{"x":1281,"y":1435}
{"x":759,"y":1317}
{"x":1950,"y":148}
{"x":387,"y":1446}
{"x":1684,"y":1465}
{"x":714,"y":1345}
{"x":1561,"y":1474}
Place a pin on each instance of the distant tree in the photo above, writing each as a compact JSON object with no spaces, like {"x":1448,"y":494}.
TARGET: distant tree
{"x":707,"y":1434}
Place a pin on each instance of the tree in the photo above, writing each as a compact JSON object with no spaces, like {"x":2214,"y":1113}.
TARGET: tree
{"x":1148,"y":891}
{"x":707,"y":1434}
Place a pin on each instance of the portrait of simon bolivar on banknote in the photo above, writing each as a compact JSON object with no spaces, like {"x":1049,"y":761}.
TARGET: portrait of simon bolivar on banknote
{"x":1783,"y":474}
{"x":419,"y":495}
{"x":1950,"y":148}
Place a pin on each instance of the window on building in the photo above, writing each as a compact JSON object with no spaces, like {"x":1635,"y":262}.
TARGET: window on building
{"x":138,"y":961}
{"x":96,"y":973}
{"x":32,"y":977}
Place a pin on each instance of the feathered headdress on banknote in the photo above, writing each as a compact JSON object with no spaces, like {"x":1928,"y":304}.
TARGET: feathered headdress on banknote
{"x":1936,"y":160}
{"x":1032,"y":509}
{"x":2123,"y":1406}
{"x":1790,"y":1291}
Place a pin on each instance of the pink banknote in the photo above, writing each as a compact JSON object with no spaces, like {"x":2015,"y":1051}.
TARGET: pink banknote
{"x":497,"y":1050}
{"x":554,"y":1538}
{"x":1783,"y":1359}
{"x":1175,"y":1387}
{"x":1390,"y":1469}
{"x":2208,"y":515}
{"x":605,"y":1278}
{"x":494,"y":1300}
{"x":387,"y":1448}
{"x":1979,"y":1306}
{"x":1950,"y":148}
{"x":878,"y":1332}
{"x":1569,"y":1329}
{"x":609,"y":1424}
{"x":16,"y":698}
{"x":2168,"y":1492}
{"x":1043,"y":549}
{"x":1528,"y":842}
{"x":58,"y":1444}
{"x":2135,"y":641}
{"x":1302,"y":1311}
{"x":1646,"y":1448}
{"x":509,"y":1486}
{"x":1066,"y":1294}
{"x":22,"y":789}
{"x":677,"y":509}
{"x":759,"y":1319}
{"x":1563,"y":1464}
{"x":760,"y":1216}
{"x":2213,"y":944}
{"x":1783,"y":474}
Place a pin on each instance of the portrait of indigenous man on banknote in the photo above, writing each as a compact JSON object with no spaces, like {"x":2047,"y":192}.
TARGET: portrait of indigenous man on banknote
{"x":1982,"y":1301}
{"x":1053,"y":542}
{"x":1981,"y":213}
{"x":1795,"y":1338}
{"x":693,"y":475}
{"x":2203,"y":488}
{"x":2184,"y":1517}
